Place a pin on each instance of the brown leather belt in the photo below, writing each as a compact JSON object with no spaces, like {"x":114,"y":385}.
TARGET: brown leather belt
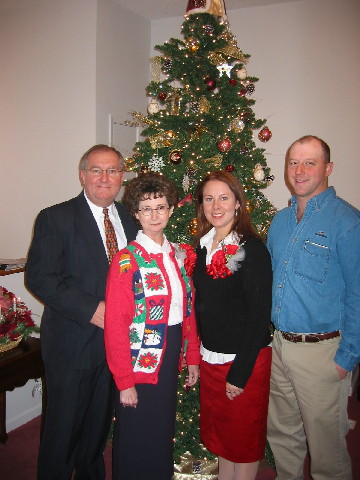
{"x":309,"y":337}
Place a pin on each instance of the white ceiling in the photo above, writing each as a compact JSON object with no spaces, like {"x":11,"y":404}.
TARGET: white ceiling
{"x":154,"y":9}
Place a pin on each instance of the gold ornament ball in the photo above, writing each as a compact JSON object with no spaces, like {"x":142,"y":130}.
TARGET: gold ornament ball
{"x":129,"y":164}
{"x":168,"y":138}
{"x":192,"y":44}
{"x":192,"y":227}
{"x":237,"y":125}
{"x":175,"y":157}
{"x":249,"y":206}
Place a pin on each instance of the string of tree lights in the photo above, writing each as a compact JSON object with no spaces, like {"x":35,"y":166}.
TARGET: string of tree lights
{"x":200,"y":118}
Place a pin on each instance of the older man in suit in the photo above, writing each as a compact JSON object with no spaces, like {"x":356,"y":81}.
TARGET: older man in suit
{"x":66,"y":269}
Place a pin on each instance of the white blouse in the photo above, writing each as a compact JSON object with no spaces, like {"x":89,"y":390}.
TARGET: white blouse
{"x":176,"y":303}
{"x":206,"y":241}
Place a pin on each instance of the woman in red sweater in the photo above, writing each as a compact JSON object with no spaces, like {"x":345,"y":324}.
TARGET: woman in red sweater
{"x":149,"y":330}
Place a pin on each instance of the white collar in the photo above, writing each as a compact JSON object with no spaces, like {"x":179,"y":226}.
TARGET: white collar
{"x":151,"y":246}
{"x":231,"y":239}
{"x":99,"y":210}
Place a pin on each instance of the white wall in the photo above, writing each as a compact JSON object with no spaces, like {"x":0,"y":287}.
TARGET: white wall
{"x":306,"y":56}
{"x":48,"y":106}
{"x":122,"y":71}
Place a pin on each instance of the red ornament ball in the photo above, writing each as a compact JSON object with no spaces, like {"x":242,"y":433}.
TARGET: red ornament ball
{"x":265,"y":134}
{"x":224,"y":145}
{"x":229,"y":168}
{"x":242,"y":92}
{"x":232,"y":82}
{"x":162,"y":96}
{"x":210,"y":83}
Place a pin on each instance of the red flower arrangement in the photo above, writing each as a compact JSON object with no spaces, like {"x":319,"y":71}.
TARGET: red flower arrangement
{"x":224,"y":262}
{"x":190,"y":259}
{"x":15,"y":318}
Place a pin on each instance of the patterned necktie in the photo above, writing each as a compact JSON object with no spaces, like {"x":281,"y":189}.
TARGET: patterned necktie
{"x":111,"y":242}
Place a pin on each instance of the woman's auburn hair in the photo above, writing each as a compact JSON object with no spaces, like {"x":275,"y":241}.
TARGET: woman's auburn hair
{"x":242,"y":224}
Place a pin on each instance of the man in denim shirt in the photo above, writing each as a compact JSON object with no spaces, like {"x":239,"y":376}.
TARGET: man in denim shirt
{"x":315,"y":249}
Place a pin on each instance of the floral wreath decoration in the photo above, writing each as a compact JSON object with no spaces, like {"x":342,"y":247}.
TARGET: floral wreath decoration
{"x":225,"y":262}
{"x":15,"y":318}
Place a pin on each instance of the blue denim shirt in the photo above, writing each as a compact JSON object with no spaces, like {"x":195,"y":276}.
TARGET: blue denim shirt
{"x":316,"y":265}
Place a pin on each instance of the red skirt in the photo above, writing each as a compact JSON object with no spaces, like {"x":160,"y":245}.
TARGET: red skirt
{"x":235,"y":429}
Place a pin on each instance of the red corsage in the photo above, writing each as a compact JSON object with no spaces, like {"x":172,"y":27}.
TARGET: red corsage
{"x":224,"y":262}
{"x":190,"y":259}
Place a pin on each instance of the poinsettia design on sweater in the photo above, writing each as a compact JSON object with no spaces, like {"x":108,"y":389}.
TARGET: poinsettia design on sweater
{"x":154,"y":281}
{"x":147,"y":360}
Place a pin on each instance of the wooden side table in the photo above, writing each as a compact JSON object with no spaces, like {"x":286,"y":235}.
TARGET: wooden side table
{"x":17,"y":366}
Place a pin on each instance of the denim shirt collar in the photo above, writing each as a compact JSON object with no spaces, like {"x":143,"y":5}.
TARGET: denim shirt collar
{"x":316,"y":202}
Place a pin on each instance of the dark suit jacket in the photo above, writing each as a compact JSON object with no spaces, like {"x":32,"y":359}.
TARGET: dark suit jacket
{"x":66,"y":269}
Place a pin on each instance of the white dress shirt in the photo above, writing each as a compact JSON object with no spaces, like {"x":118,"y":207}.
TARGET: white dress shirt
{"x":115,"y":220}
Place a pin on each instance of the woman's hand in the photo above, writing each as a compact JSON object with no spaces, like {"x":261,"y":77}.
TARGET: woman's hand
{"x":192,"y":376}
{"x":129,"y":397}
{"x":232,"y":391}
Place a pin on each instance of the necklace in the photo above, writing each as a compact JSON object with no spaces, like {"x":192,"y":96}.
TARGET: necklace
{"x":219,"y":241}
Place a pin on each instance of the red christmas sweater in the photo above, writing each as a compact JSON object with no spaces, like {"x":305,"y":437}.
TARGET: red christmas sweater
{"x":138,"y":296}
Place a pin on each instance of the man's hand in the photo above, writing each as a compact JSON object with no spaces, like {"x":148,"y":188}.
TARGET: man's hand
{"x":98,"y":317}
{"x":341,"y":371}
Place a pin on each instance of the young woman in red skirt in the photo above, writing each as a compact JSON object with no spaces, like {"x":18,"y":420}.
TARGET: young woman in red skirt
{"x":233,"y":280}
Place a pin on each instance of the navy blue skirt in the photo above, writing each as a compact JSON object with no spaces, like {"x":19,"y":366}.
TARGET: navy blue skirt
{"x":143,"y":436}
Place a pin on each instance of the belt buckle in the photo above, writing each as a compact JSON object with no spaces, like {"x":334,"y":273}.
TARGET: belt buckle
{"x":312,"y":338}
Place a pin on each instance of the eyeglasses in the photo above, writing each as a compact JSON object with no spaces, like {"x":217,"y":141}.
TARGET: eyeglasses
{"x":97,"y":171}
{"x":160,"y":209}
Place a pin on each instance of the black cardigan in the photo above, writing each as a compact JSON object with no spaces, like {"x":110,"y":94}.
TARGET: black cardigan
{"x":234,"y":313}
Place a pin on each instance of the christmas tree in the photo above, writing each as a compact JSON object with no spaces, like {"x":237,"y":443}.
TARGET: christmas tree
{"x":200,"y":118}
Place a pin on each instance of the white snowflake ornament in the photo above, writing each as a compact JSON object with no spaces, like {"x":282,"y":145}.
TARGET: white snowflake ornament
{"x":156,"y":163}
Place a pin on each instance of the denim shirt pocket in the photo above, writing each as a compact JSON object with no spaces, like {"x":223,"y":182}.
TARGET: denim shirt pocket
{"x":313,"y":261}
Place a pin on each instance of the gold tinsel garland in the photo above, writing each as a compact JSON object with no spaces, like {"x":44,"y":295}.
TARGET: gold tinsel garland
{"x":191,"y":467}
{"x":156,"y":63}
{"x":143,"y":119}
